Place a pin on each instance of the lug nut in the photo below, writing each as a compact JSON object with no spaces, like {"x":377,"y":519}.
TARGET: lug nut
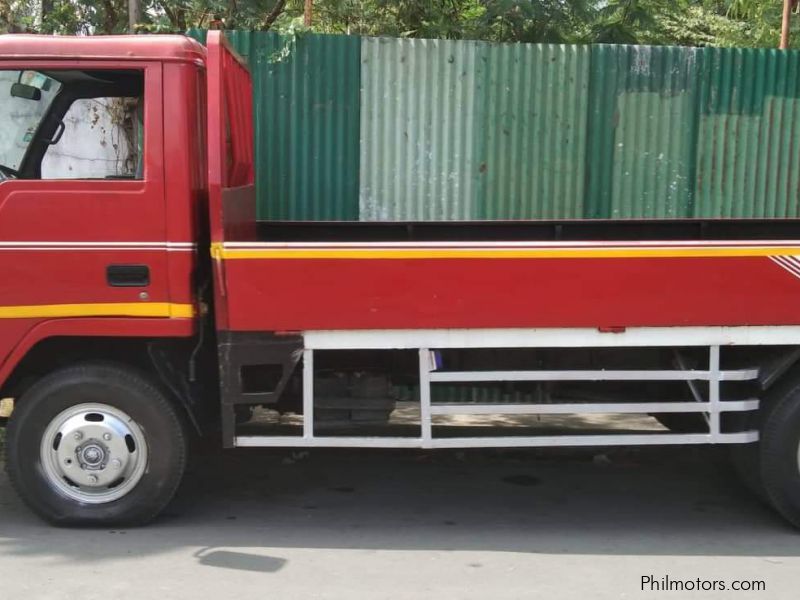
{"x":78,"y":435}
{"x":116,"y":463}
{"x":92,"y":478}
{"x":106,"y":436}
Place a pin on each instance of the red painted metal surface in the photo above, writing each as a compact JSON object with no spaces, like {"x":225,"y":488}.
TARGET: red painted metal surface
{"x":231,"y":186}
{"x":185,"y":172}
{"x":58,"y":237}
{"x":117,"y":48}
{"x":304,"y":294}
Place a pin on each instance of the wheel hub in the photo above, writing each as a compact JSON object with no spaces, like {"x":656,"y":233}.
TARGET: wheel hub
{"x":92,"y":456}
{"x":93,"y":453}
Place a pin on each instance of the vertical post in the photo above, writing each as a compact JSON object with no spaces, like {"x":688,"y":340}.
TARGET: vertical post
{"x":308,"y":394}
{"x":228,"y":426}
{"x":713,"y":391}
{"x":425,"y":397}
{"x":134,"y":15}
{"x":308,"y":13}
{"x":786,"y":24}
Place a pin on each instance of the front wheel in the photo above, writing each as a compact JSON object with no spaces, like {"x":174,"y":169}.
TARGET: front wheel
{"x":95,"y":444}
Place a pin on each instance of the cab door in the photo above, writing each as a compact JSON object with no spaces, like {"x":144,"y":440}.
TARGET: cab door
{"x":82,"y":217}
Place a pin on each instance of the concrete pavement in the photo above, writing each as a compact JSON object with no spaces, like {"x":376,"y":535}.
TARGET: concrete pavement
{"x":397,"y":524}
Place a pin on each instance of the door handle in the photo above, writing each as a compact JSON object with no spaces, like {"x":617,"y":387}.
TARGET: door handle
{"x":128,"y":275}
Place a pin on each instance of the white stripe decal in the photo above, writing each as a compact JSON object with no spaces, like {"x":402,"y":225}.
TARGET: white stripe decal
{"x":100,"y":246}
{"x":510,"y":245}
{"x":549,"y":337}
{"x":791,"y":264}
{"x":788,"y":263}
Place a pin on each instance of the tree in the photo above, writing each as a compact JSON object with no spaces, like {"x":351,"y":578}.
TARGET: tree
{"x":180,"y":15}
{"x":17,"y":16}
{"x":762,"y":19}
{"x":682,"y":22}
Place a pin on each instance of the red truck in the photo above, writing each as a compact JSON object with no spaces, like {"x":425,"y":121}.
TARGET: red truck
{"x":142,"y":305}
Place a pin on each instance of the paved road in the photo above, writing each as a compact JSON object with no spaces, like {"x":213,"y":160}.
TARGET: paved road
{"x":380,"y":524}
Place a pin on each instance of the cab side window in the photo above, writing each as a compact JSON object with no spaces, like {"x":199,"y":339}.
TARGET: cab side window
{"x":103,"y":138}
{"x":72,"y":124}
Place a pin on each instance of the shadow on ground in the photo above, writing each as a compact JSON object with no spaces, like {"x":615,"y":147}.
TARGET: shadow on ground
{"x":679,"y":501}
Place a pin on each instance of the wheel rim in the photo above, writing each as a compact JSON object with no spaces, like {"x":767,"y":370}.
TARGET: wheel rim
{"x":93,"y":453}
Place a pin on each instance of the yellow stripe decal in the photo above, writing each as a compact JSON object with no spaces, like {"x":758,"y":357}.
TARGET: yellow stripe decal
{"x":220,"y":252}
{"x":111,"y":309}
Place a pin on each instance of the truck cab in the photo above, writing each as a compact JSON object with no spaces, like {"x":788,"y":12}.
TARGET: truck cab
{"x":102,"y":179}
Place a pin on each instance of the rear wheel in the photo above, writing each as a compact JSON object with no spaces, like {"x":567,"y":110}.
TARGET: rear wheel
{"x":780,"y":456}
{"x":95,"y":444}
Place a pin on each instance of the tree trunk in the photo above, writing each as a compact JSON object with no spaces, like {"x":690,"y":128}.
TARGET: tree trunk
{"x":110,"y":17}
{"x":177,"y":17}
{"x":273,"y":15}
{"x":785,"y":25}
{"x":134,"y":15}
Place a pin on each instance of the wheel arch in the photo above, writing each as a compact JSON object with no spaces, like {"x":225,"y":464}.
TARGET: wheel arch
{"x":162,"y":357}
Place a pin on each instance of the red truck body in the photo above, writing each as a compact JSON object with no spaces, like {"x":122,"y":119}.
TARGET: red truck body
{"x":168,"y":271}
{"x":497,"y":285}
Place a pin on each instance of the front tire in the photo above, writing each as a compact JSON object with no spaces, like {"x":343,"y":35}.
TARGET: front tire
{"x":95,"y":444}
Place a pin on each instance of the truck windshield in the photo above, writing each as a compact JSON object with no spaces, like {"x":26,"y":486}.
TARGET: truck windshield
{"x":25,"y":98}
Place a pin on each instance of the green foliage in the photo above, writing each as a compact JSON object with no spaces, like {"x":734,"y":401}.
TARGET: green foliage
{"x":16,"y":16}
{"x":762,"y":22}
{"x":683,"y":22}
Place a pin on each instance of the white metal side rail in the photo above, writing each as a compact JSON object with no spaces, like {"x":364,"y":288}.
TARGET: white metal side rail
{"x":428,"y":375}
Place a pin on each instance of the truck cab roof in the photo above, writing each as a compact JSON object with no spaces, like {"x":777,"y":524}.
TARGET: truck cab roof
{"x":116,"y":47}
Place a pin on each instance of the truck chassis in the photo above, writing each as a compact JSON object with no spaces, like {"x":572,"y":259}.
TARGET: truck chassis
{"x":429,"y":373}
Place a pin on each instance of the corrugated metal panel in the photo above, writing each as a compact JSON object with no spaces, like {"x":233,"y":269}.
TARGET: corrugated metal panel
{"x":748,"y":163}
{"x":306,"y":106}
{"x":688,"y":132}
{"x":398,"y":129}
{"x":470,"y":130}
{"x":531,"y":130}
{"x":642,"y":132}
{"x":417,"y":146}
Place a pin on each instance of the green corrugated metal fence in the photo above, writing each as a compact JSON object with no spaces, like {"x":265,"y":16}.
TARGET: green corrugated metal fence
{"x":531,"y":130}
{"x":381,"y":129}
{"x":748,"y":132}
{"x":307,"y":123}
